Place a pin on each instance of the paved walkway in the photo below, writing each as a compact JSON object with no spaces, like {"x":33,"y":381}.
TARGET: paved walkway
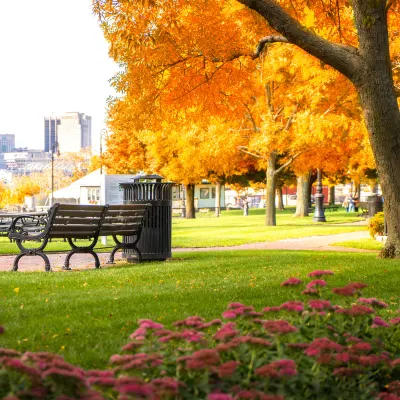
{"x":85,"y":261}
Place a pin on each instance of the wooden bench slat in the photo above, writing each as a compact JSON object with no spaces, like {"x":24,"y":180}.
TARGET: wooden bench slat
{"x":73,"y":227}
{"x":79,"y":207}
{"x":127,"y":207}
{"x":75,"y":221}
{"x":122,"y":213}
{"x":79,"y":213}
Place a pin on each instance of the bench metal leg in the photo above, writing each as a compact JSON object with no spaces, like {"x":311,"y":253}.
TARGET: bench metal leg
{"x":125,"y":247}
{"x":66,"y":266}
{"x":36,"y":253}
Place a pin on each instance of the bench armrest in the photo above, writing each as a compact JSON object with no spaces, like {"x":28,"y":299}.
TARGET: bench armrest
{"x":28,"y":228}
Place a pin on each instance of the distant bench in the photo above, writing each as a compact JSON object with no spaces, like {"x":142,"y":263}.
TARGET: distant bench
{"x":331,"y":207}
{"x":72,"y":221}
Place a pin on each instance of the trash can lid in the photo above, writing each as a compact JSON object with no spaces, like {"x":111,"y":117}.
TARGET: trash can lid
{"x":145,"y":177}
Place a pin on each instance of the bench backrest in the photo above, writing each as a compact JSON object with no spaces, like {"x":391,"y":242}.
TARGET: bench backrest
{"x":124,"y":219}
{"x":75,"y":221}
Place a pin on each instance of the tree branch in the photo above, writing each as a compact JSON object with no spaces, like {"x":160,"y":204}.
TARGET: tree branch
{"x":287,"y":163}
{"x":343,"y":58}
{"x":265,"y":40}
{"x":242,"y":149}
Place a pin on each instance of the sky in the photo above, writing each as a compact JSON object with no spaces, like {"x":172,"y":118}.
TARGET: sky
{"x":54,"y":59}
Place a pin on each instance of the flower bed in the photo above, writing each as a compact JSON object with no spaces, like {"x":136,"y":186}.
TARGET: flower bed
{"x":311,"y":349}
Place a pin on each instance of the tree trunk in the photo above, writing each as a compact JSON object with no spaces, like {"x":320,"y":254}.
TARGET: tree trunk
{"x":331,"y":195}
{"x":370,"y":70}
{"x":270,"y":209}
{"x":302,"y":202}
{"x":312,"y":178}
{"x":381,"y":111}
{"x":190,"y":210}
{"x":279,"y":194}
{"x":217,"y":198}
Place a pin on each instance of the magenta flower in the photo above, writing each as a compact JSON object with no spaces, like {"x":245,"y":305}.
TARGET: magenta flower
{"x":372,"y":301}
{"x":319,"y":272}
{"x":296,"y":306}
{"x":219,"y":396}
{"x":322,"y":345}
{"x":370,"y":360}
{"x":149,"y":324}
{"x":226,"y":331}
{"x":291,"y":282}
{"x":394,"y":321}
{"x":229,"y":314}
{"x":226,"y":369}
{"x":343,"y":357}
{"x":378,"y":322}
{"x":344,"y":291}
{"x":346,"y":371}
{"x":361,"y":347}
{"x":192,"y":336}
{"x":279,"y":327}
{"x":193,"y":321}
{"x":139,"y":334}
{"x":166,"y":386}
{"x":278,"y":369}
{"x":271,"y":309}
{"x":203,"y":359}
{"x":316,"y":282}
{"x":355,"y":311}
{"x":320,"y":304}
{"x":236,"y":305}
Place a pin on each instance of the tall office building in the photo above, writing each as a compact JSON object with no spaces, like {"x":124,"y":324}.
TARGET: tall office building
{"x":72,"y":131}
{"x":7,"y":143}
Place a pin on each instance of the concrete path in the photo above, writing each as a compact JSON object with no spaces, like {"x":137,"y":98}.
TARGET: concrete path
{"x":84,"y":261}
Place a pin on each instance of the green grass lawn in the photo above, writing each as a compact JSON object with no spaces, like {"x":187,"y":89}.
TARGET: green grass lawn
{"x":88,"y":315}
{"x":232,"y":228}
{"x":365,"y":244}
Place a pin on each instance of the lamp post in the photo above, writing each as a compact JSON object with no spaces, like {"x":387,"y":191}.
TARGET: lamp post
{"x":54,"y":149}
{"x":319,"y":215}
{"x":103,"y":135}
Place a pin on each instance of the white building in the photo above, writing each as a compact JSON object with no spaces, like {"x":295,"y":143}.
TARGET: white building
{"x":72,"y":131}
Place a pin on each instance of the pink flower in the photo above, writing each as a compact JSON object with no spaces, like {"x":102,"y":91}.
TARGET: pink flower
{"x":236,"y":305}
{"x":378,"y":322}
{"x":278,"y":369}
{"x":149,"y":324}
{"x":316,"y":282}
{"x":345,"y":290}
{"x":226,"y":331}
{"x":370,"y":360}
{"x":229,"y":314}
{"x":279,"y":327}
{"x":291,"y":282}
{"x":319,"y":272}
{"x":193,"y":321}
{"x":227,"y":369}
{"x":346,"y":371}
{"x":271,"y":309}
{"x":373,"y":302}
{"x":361,"y":347}
{"x":166,"y":386}
{"x":358,"y":285}
{"x":139,"y":334}
{"x":355,"y":311}
{"x":343,"y":357}
{"x":202,"y":359}
{"x":192,"y":336}
{"x":219,"y":396}
{"x":322,"y":345}
{"x":320,"y":304}
{"x":394,"y":321}
{"x":296,"y":306}
{"x":9,"y":352}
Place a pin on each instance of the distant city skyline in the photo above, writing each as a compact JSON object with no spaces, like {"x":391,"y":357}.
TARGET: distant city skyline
{"x":56,"y":61}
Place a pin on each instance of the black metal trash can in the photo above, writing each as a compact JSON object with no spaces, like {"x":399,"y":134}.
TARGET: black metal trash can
{"x":155,"y":242}
{"x":375,"y":205}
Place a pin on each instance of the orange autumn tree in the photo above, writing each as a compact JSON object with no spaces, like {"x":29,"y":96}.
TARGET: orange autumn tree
{"x":360,"y":51}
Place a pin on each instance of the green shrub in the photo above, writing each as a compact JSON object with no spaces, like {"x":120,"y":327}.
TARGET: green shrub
{"x":300,"y":350}
{"x":376,"y":224}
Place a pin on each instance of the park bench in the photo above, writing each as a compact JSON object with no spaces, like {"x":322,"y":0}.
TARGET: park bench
{"x":331,"y":207}
{"x":28,"y":222}
{"x":73,"y":221}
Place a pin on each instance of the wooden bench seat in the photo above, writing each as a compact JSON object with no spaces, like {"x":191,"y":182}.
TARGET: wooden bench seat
{"x":73,"y":221}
